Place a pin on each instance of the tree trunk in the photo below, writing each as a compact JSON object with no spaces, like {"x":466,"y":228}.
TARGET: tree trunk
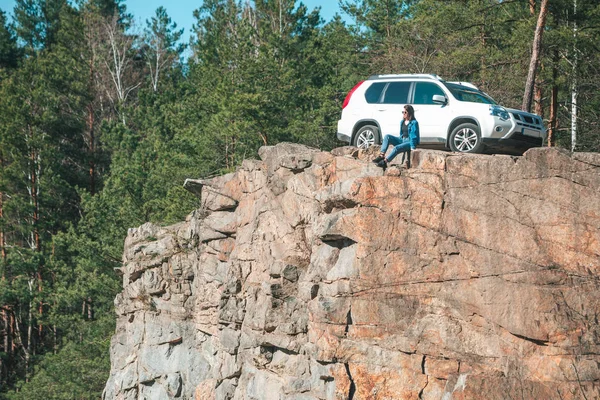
{"x":29,"y":340}
{"x":538,"y":106}
{"x":483,"y":41}
{"x":574,"y":88}
{"x":33,"y":182}
{"x":91,"y":128}
{"x":6,"y":343}
{"x":535,"y":55}
{"x":37,"y":242}
{"x":553,"y":123}
{"x":91,"y":147}
{"x":5,"y":326}
{"x":28,"y":348}
{"x":90,"y":309}
{"x":2,"y":239}
{"x":55,"y":338}
{"x":4,"y":318}
{"x":574,"y":94}
{"x":11,"y":340}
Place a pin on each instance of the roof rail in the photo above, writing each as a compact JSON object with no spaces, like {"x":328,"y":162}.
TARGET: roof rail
{"x":387,"y":76}
{"x":467,"y":84}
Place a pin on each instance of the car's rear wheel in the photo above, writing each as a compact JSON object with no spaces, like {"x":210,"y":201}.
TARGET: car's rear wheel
{"x":466,"y":138}
{"x":366,"y":136}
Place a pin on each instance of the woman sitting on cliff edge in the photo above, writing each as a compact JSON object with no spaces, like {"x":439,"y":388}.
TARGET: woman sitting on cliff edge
{"x":408,"y":140}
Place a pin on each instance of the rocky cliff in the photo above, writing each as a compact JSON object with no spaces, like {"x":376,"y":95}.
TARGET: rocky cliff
{"x":314,"y":275}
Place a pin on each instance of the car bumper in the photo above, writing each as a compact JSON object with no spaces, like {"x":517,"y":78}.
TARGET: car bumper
{"x":344,"y":130}
{"x":516,"y":141}
{"x":343,"y":137}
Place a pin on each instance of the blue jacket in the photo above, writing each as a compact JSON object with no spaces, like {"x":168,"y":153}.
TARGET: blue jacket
{"x":414,"y":136}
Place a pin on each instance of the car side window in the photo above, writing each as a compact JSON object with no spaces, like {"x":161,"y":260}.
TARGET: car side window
{"x":425,"y":91}
{"x":373,"y":93}
{"x":397,"y":93}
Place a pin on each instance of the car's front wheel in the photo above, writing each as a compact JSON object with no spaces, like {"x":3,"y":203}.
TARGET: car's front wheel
{"x":466,"y":138}
{"x":366,"y":136}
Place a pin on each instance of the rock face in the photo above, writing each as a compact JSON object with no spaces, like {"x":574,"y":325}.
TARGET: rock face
{"x":313,"y":275}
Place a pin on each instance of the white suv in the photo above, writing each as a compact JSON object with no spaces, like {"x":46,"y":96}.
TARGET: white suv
{"x":454,"y":114}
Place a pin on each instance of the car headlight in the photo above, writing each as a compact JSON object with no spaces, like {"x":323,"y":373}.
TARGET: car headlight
{"x":500,"y":112}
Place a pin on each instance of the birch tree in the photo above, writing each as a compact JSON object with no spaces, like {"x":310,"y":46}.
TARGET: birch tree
{"x":574,"y":82}
{"x":119,"y":61}
{"x":162,"y":49}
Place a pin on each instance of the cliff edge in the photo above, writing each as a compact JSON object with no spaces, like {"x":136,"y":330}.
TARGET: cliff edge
{"x":314,"y":275}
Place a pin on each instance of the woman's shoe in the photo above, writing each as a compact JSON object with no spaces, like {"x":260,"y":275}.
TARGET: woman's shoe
{"x":379,"y":158}
{"x":382,"y":164}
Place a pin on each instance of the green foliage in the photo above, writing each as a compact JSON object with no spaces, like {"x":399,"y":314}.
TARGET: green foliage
{"x":77,"y":371}
{"x":38,"y":22}
{"x":9,"y":53}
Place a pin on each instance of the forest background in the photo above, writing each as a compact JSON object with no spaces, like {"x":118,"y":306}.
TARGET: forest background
{"x":101,"y":121}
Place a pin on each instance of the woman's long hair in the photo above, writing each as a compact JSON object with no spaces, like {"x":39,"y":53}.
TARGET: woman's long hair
{"x":411,"y":111}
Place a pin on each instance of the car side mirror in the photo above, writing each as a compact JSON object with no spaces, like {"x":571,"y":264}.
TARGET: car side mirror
{"x":439,"y":99}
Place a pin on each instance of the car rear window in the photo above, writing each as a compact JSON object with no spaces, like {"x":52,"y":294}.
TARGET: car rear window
{"x":396,"y":93}
{"x":373,"y":93}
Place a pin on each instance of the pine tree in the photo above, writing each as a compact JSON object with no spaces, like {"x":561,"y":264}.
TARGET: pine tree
{"x":38,"y":21}
{"x":9,"y":53}
{"x":41,"y":122}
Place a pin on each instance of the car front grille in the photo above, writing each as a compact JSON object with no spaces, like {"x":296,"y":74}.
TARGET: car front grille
{"x":528,"y":120}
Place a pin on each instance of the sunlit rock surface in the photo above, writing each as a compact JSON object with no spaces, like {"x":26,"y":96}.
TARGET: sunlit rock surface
{"x":314,"y":275}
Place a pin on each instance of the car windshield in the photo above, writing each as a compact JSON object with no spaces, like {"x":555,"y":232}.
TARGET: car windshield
{"x":465,"y":93}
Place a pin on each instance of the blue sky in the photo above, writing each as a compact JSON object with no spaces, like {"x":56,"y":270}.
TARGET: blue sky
{"x":181,"y":11}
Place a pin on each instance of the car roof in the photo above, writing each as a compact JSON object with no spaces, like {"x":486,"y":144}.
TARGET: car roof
{"x":393,"y":76}
{"x":433,"y":77}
